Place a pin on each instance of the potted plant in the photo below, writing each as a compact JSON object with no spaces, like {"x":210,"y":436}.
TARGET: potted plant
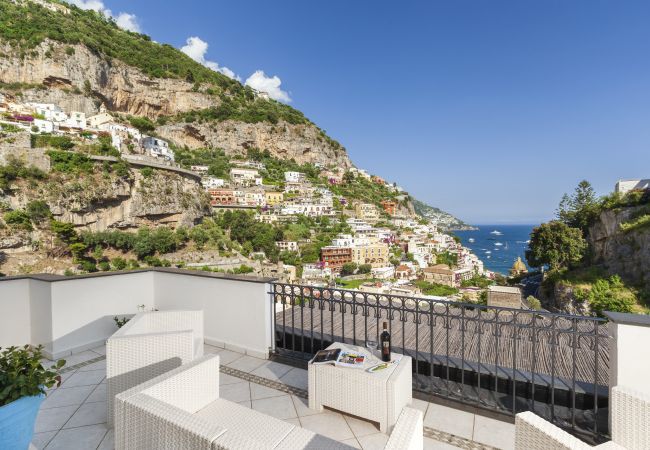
{"x":23,"y":381}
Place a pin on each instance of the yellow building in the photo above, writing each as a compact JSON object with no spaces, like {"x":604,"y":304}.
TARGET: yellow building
{"x":274,"y":198}
{"x":368,"y":212}
{"x":374,"y":254}
{"x":518,"y":268}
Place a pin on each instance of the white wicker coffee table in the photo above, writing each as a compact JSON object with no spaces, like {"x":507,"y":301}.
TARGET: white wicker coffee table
{"x":378,"y":396}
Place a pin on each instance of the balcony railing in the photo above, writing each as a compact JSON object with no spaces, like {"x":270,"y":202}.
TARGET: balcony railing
{"x":501,"y":359}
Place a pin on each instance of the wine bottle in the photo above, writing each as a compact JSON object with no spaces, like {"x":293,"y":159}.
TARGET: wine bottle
{"x":384,"y":340}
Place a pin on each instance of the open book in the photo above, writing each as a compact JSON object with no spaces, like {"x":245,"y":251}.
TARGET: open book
{"x":340,"y":357}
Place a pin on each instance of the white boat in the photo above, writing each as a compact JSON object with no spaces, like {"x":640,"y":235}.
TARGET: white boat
{"x":487,"y":252}
{"x":498,"y":244}
{"x":471,"y":239}
{"x":496,"y":233}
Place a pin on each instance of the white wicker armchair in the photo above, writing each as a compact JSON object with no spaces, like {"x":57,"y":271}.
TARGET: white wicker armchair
{"x":630,"y":422}
{"x":182,"y":409}
{"x":149,"y":345}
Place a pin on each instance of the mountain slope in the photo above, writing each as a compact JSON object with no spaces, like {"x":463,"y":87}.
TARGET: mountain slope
{"x":444,"y":219}
{"x":54,"y":52}
{"x":80,"y":60}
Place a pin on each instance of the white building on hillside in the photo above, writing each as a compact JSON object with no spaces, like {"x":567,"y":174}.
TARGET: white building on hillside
{"x":212,"y":182}
{"x":625,"y":186}
{"x":158,"y":148}
{"x":244,"y":176}
{"x":77,"y":119}
{"x":294,"y":177}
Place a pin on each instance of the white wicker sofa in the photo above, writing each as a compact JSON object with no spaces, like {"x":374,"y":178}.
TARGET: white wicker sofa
{"x":182,"y":409}
{"x":630,"y":426}
{"x":148,"y":345}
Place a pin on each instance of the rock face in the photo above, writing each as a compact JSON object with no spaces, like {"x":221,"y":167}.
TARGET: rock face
{"x":620,"y":252}
{"x":100,"y":202}
{"x":303,"y":143}
{"x":82,"y":80}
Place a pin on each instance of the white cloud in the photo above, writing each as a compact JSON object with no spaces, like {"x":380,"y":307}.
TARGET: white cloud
{"x":271,"y":85}
{"x":128,"y":21}
{"x":196,"y":48}
{"x":124,"y":20}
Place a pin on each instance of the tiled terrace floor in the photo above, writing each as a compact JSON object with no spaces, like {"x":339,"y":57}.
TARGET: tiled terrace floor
{"x":74,"y":415}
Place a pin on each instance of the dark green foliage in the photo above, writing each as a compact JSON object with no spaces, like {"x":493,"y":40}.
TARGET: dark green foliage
{"x":360,"y":188}
{"x":118,"y":263}
{"x":348,"y":269}
{"x":18,"y":219}
{"x":275,"y":167}
{"x":555,"y":244}
{"x":147,"y":172}
{"x":69,"y":162}
{"x":50,"y":141}
{"x":365,"y":268}
{"x":580,"y":209}
{"x":244,"y":108}
{"x":244,"y":228}
{"x":15,"y":170}
{"x":436,"y":289}
{"x":105,"y":147}
{"x":142,"y":123}
{"x":64,"y":231}
{"x":22,"y":374}
{"x":451,"y":259}
{"x":216,"y":160}
{"x":104,"y":266}
{"x":26,"y":24}
{"x":88,"y":265}
{"x":477,"y":281}
{"x":607,"y":295}
{"x":38,"y":211}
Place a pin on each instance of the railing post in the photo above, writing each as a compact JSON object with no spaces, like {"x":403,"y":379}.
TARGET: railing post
{"x":629,"y":352}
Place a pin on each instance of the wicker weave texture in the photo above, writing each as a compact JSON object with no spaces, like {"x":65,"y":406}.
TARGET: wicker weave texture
{"x":300,"y":438}
{"x":534,"y":433}
{"x":408,"y":431}
{"x":630,"y":418}
{"x":144,"y":349}
{"x":379,"y":396}
{"x":209,"y":364}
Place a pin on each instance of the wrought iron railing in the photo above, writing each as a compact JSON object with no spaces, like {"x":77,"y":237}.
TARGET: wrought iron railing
{"x":503,"y":359}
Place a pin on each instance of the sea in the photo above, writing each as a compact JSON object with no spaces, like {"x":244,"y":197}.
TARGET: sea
{"x":497,"y":245}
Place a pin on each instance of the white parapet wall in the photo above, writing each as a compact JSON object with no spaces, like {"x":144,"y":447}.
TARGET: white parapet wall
{"x":69,"y":314}
{"x":237,"y":310}
{"x":629,"y":352}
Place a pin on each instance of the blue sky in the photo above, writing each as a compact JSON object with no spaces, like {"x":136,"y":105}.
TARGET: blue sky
{"x":487,"y":109}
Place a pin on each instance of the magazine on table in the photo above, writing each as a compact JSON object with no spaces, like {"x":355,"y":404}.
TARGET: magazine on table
{"x":341,"y":357}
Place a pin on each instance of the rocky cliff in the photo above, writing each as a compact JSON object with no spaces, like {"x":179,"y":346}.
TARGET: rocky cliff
{"x":102,"y":200}
{"x":626,"y":253}
{"x":78,"y":79}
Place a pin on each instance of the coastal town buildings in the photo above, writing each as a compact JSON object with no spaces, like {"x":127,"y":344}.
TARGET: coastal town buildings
{"x":367,"y":212}
{"x":335,"y":257}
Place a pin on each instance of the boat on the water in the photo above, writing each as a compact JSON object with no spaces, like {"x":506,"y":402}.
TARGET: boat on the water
{"x":487,"y":252}
{"x":498,"y":244}
{"x":496,"y":232}
{"x":471,"y":239}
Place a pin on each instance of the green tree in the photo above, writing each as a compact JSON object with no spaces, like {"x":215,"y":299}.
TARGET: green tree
{"x":365,"y":268}
{"x":555,"y":244}
{"x":580,"y":209}
{"x":348,"y":269}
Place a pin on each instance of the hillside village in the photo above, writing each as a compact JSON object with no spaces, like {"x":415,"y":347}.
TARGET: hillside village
{"x":383,"y":246}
